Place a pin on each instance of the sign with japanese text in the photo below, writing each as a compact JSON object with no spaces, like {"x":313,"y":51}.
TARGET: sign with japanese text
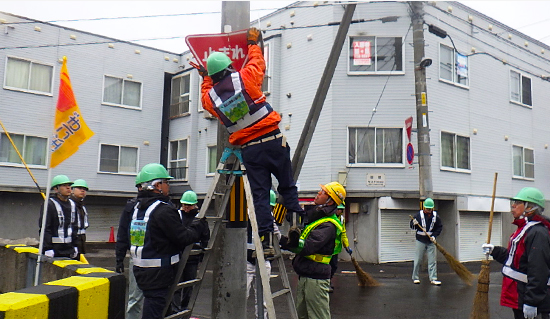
{"x":70,"y":130}
{"x":362,"y":53}
{"x":234,"y":44}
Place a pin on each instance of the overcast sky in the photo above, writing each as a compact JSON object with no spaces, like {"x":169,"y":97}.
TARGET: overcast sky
{"x":529,"y":17}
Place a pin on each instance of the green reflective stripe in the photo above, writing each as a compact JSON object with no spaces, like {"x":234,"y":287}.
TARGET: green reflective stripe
{"x":301,"y":243}
{"x":337,"y":243}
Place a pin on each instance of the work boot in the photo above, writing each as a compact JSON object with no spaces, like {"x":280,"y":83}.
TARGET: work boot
{"x":266,"y":244}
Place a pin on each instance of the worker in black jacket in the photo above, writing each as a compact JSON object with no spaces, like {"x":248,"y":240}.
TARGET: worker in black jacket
{"x":157,"y":237}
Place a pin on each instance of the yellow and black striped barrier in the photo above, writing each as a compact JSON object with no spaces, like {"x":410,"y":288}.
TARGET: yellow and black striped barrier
{"x":88,"y":292}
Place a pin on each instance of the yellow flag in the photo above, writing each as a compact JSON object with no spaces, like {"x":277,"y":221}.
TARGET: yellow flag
{"x":70,"y":130}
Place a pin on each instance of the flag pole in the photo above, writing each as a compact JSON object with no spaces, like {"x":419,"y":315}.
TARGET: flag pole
{"x":42,"y":229}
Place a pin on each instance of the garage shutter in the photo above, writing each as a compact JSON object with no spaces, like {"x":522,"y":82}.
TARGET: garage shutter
{"x":473,"y":233}
{"x":100,"y":220}
{"x":397,"y":239}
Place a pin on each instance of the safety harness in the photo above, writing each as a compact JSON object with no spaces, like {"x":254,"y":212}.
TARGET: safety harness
{"x":423,"y":223}
{"x":324,"y":259}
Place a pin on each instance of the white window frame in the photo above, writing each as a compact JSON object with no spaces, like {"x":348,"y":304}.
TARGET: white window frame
{"x":454,"y":68}
{"x":523,"y":163}
{"x":374,"y":54}
{"x":268,"y":69}
{"x":403,"y":148}
{"x":187,"y":95}
{"x":27,"y":90}
{"x":170,"y":161}
{"x":119,"y":171}
{"x":455,"y":167}
{"x":520,"y":89}
{"x":23,"y":150}
{"x":122,"y":93}
{"x":208,"y":163}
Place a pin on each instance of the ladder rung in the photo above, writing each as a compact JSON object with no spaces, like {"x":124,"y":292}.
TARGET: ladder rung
{"x":280,"y":293}
{"x":179,"y":314}
{"x":188,"y":283}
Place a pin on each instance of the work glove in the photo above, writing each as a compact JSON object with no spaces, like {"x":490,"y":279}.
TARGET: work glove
{"x":200,"y":68}
{"x":415,"y":222}
{"x":349,"y":250}
{"x":119,"y":267}
{"x":529,"y":312}
{"x":75,"y":253}
{"x":294,"y":236}
{"x":487,"y":248}
{"x":252,"y":35}
{"x":432,"y":238}
{"x":49,"y":253}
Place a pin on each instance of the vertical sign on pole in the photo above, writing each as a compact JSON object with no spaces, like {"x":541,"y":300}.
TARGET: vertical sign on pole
{"x":410,"y":149}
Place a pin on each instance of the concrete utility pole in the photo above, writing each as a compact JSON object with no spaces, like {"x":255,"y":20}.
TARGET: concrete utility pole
{"x":422,"y":123}
{"x":229,"y":288}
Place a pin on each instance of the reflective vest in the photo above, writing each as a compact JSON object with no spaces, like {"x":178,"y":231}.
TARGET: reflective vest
{"x":142,"y":251}
{"x":62,"y":237}
{"x":82,"y":227}
{"x":423,"y":223}
{"x":234,"y":106}
{"x":324,"y":259}
{"x":507,"y":270}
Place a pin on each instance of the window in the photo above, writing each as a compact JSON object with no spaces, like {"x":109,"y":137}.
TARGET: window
{"x":178,"y":159}
{"x":121,"y":92}
{"x":266,"y":85}
{"x":179,"y":102}
{"x":32,"y":148}
{"x":28,"y":76}
{"x":375,"y":146}
{"x":118,"y":159}
{"x":455,"y":151}
{"x":520,"y":88}
{"x":212,"y":159}
{"x":524,"y":162}
{"x":453,"y":66}
{"x":371,"y":55}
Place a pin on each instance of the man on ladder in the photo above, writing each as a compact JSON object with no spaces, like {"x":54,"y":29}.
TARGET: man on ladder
{"x":314,"y":248}
{"x":237,"y":100}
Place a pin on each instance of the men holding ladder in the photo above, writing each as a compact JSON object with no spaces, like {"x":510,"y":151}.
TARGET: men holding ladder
{"x":237,"y":100}
{"x":157,"y":237}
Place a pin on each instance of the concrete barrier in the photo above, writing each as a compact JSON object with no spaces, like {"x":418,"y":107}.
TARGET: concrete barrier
{"x":73,"y":289}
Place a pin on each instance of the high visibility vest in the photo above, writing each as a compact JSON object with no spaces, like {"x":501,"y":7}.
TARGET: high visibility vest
{"x":83,"y":224}
{"x":142,"y":251}
{"x":234,"y":106}
{"x":324,"y":259}
{"x":62,"y":237}
{"x":423,"y":223}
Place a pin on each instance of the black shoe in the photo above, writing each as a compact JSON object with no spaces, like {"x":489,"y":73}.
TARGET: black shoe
{"x":266,"y":244}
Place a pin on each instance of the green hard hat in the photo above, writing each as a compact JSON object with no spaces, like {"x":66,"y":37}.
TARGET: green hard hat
{"x":138,"y":179}
{"x":153,"y":171}
{"x":189,"y":198}
{"x":531,"y":195}
{"x":341,"y":206}
{"x":217,"y":62}
{"x":80,"y":183}
{"x":429,"y":203}
{"x":272,"y":198}
{"x":60,"y":180}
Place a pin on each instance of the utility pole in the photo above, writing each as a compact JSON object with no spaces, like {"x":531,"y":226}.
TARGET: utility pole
{"x":422,"y":122}
{"x":229,"y":287}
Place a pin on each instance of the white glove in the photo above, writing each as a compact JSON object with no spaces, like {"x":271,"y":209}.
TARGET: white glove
{"x":415,"y":222}
{"x":487,"y":248}
{"x":432,"y":238}
{"x":75,"y":253}
{"x":49,"y":253}
{"x":529,"y":312}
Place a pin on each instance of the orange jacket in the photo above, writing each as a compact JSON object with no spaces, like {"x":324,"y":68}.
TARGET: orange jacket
{"x":252,"y":75}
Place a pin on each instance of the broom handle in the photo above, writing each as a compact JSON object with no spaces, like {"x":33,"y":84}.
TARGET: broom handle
{"x":422,"y":228}
{"x":492,"y":209}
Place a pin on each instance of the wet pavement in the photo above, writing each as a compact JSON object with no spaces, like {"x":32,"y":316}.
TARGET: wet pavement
{"x":396,"y":297}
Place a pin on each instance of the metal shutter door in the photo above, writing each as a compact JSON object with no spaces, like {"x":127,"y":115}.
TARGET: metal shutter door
{"x":397,"y":239}
{"x":473,"y":233}
{"x":100,"y":221}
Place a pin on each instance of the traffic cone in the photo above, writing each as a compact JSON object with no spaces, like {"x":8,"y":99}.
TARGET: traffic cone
{"x":112,"y":235}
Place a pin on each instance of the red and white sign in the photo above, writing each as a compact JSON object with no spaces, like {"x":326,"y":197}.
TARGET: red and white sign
{"x":361,"y":53}
{"x":408,"y":126}
{"x":234,"y":44}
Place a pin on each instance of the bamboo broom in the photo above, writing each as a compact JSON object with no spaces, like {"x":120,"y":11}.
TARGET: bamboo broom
{"x":480,"y":310}
{"x":459,"y":268}
{"x":365,"y":279}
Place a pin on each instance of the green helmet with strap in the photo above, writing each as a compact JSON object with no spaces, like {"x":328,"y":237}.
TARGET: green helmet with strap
{"x":138,"y":179}
{"x":153,"y":171}
{"x":189,"y":198}
{"x":60,"y":180}
{"x":531,"y":195}
{"x":217,"y":62}
{"x":429,"y":203}
{"x":79,"y":183}
{"x":272,"y":198}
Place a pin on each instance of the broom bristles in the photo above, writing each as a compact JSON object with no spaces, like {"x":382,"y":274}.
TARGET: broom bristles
{"x":458,"y":267}
{"x":365,"y":280}
{"x":480,"y":310}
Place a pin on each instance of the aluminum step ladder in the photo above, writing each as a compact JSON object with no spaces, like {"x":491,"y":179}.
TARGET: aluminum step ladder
{"x":230,"y":168}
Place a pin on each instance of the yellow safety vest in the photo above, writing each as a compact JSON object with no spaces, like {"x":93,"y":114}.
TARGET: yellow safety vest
{"x":324,"y":259}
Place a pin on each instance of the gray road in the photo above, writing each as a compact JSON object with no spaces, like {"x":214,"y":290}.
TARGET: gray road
{"x":397,"y":297}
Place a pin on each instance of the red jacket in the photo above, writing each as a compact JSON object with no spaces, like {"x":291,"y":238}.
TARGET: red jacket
{"x":252,"y":75}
